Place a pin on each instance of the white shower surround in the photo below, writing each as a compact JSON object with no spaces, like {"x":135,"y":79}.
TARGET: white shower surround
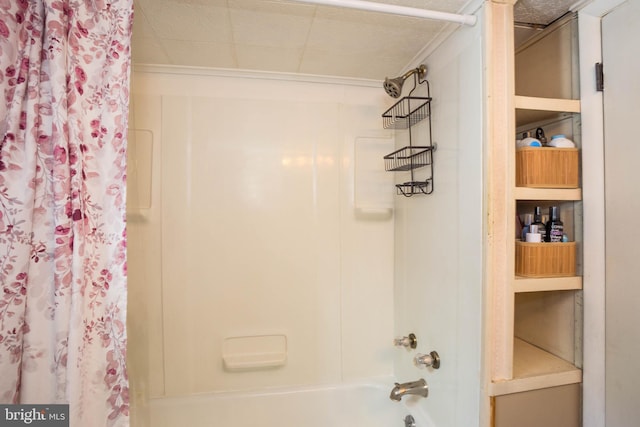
{"x":252,"y":232}
{"x":438,"y":287}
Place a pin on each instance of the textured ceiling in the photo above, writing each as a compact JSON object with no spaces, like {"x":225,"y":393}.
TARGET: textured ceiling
{"x":541,"y":12}
{"x":286,"y":36}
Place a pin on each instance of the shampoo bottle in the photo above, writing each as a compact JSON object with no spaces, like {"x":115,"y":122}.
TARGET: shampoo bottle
{"x":555,"y":228}
{"x":537,"y":220}
{"x":528,"y":141}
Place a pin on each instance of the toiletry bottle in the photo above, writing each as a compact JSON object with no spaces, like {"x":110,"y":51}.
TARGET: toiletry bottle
{"x":527,"y":141}
{"x":528,"y":219}
{"x":561,"y":141}
{"x":533,"y":236}
{"x":540,"y":136}
{"x":555,"y":227}
{"x":537,"y":220}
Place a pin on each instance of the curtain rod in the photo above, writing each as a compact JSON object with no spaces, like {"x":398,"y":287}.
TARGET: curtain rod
{"x":396,"y":10}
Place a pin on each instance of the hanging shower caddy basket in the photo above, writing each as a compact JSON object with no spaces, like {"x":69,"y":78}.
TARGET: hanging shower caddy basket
{"x":404,"y":114}
{"x":410,"y":188}
{"x":408,"y":158}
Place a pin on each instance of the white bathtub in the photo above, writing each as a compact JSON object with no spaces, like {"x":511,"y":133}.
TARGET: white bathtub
{"x":354,"y":405}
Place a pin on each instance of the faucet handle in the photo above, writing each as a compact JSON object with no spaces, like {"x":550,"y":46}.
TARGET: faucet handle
{"x":432,"y":359}
{"x":408,"y":342}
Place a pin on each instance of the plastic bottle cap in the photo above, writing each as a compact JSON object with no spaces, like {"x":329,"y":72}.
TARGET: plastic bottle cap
{"x":560,"y":141}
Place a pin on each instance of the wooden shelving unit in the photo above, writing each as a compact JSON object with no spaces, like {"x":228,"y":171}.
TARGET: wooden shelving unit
{"x":533,"y":367}
{"x":535,"y":351}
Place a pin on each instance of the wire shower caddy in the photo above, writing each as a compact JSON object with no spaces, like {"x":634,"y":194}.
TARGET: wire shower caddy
{"x":405,"y":114}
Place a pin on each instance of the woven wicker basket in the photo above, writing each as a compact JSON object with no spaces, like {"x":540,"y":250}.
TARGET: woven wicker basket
{"x":545,"y":259}
{"x":545,"y":167}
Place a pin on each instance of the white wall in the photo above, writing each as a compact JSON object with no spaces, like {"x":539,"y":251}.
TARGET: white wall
{"x":596,"y":397}
{"x":438,"y":290}
{"x":620,"y":51}
{"x":252,"y":231}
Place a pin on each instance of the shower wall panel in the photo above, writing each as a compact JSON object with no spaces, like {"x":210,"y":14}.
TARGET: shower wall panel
{"x":144,"y":314}
{"x":259,"y":233}
{"x":439,"y":238}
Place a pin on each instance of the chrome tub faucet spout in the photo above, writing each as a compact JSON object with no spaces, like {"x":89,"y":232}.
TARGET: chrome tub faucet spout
{"x":418,"y":388}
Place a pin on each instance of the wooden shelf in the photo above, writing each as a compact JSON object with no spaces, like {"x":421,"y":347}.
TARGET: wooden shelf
{"x":527,"y":193}
{"x":535,"y":111}
{"x":547,"y":104}
{"x":528,"y":284}
{"x":533,"y":369}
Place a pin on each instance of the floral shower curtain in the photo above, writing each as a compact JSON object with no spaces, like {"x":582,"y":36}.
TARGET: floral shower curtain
{"x":64,"y":73}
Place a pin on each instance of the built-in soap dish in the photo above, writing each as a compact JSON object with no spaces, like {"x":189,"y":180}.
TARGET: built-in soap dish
{"x":254,"y":352}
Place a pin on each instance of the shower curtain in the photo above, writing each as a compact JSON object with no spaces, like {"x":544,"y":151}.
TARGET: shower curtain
{"x":64,"y":73}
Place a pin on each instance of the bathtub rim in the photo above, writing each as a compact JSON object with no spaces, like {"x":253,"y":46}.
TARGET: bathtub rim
{"x":383,"y":384}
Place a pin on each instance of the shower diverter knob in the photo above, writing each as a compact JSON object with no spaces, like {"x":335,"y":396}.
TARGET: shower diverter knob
{"x":427,"y":360}
{"x":409,"y":342}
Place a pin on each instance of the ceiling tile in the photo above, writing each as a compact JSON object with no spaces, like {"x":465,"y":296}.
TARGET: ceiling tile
{"x":147,"y":50}
{"x":219,"y":3}
{"x":274,"y":6}
{"x":141,"y":26}
{"x":200,"y":54}
{"x":364,"y":37}
{"x":349,"y":65}
{"x":174,"y":21}
{"x":269,"y":58}
{"x":541,"y":12}
{"x":269,"y":29}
